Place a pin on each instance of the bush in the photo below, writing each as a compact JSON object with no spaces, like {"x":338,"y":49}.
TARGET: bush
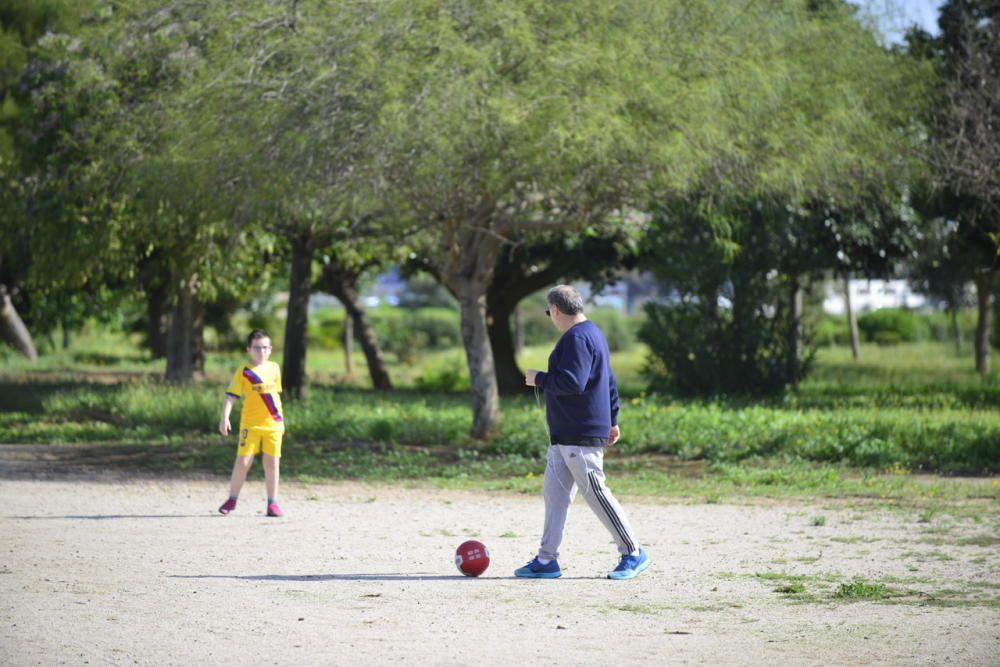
{"x":326,"y":329}
{"x":831,"y":330}
{"x":408,"y":333}
{"x":695,"y":352}
{"x":939,"y":325}
{"x":887,"y":338}
{"x":619,"y":329}
{"x":889,"y":326}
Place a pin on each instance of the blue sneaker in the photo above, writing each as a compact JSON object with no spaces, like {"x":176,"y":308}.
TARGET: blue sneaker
{"x":535,"y":570}
{"x":630,"y":566}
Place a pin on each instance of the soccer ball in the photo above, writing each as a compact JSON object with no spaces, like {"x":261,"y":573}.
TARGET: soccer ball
{"x":472,"y":558}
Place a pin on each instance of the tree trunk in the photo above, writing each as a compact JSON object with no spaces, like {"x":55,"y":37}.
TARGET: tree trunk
{"x":185,"y":347}
{"x":956,"y":333}
{"x":479,"y":356}
{"x":518,"y":331}
{"x":795,"y":330}
{"x":468,"y":272}
{"x":293,"y":372}
{"x":508,"y":286}
{"x":852,"y":318}
{"x":12,"y":328}
{"x":984,"y":299}
{"x":157,"y":320}
{"x":348,"y":342}
{"x":510,"y":379}
{"x":341,"y":284}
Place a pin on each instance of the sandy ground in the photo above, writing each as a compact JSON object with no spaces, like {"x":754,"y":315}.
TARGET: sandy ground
{"x":118,"y":570}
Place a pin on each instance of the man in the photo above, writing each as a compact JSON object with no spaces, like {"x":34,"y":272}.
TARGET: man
{"x":581,"y":407}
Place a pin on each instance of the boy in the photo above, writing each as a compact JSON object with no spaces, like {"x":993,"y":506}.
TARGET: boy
{"x":261,"y":422}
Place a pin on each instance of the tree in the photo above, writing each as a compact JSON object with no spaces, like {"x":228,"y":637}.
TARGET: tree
{"x":966,"y":146}
{"x":813,"y":178}
{"x":531,"y":265}
{"x":529,"y":117}
{"x":288,"y":107}
{"x":339,"y":277}
{"x":21,"y":26}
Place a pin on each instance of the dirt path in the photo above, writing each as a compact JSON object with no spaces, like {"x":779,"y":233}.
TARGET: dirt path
{"x":121,"y":571}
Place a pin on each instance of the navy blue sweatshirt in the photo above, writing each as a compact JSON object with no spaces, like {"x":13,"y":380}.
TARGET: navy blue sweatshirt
{"x":581,"y":395}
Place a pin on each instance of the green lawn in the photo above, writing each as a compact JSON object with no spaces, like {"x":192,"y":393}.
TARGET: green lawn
{"x":900,"y":410}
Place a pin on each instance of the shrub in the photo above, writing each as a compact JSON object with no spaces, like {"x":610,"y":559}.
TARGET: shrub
{"x":326,"y":330}
{"x":889,"y":326}
{"x":443,"y":380}
{"x":696,"y":352}
{"x":939,"y":325}
{"x":831,"y":330}
{"x":407,"y":333}
{"x":887,"y":338}
{"x":619,"y":329}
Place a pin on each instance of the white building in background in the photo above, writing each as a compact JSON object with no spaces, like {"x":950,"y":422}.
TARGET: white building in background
{"x":871,"y":295}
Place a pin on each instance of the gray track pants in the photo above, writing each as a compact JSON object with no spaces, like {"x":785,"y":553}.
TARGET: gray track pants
{"x":567,"y":469}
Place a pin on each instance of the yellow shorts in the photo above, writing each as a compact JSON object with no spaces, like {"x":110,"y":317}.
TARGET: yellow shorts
{"x":254,"y":440}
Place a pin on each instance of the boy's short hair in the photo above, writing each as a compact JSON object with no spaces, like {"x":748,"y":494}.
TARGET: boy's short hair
{"x":566,"y":299}
{"x":256,"y":334}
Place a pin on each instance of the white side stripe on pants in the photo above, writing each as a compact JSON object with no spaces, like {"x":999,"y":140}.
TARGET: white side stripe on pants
{"x":597,"y":488}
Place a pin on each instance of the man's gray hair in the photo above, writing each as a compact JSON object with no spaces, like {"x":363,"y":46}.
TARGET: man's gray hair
{"x":566,"y":299}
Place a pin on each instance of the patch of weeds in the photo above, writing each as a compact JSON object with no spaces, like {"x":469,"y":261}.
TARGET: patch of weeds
{"x":850,"y":540}
{"x":923,"y":556}
{"x":782,"y":577}
{"x":947,"y":597}
{"x":927,"y":515}
{"x":791,"y":589}
{"x":861,"y":590}
{"x":819,"y":520}
{"x":508,"y":533}
{"x":637,"y":608}
{"x":991,"y":585}
{"x":808,"y":560}
{"x":980,"y":540}
{"x":709,"y":608}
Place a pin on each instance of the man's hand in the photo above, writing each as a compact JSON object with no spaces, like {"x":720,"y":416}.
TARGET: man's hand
{"x":529,"y":377}
{"x":224,"y":426}
{"x":615,"y":436}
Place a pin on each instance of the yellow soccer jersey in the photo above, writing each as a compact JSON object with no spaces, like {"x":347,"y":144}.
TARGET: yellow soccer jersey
{"x":260,"y":387}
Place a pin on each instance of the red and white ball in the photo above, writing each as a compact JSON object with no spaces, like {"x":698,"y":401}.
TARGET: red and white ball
{"x":472,"y":558}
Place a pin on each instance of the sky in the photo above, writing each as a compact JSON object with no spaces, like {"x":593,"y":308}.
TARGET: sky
{"x":895,"y":16}
{"x":922,"y":12}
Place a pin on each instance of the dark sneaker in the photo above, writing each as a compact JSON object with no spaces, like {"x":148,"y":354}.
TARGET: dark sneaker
{"x":535,"y":570}
{"x":630,"y":566}
{"x":228,"y":506}
{"x":274,"y":510}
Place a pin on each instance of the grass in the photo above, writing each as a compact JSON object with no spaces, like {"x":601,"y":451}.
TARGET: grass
{"x":856,"y":429}
{"x":830,"y":587}
{"x":861,"y":590}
